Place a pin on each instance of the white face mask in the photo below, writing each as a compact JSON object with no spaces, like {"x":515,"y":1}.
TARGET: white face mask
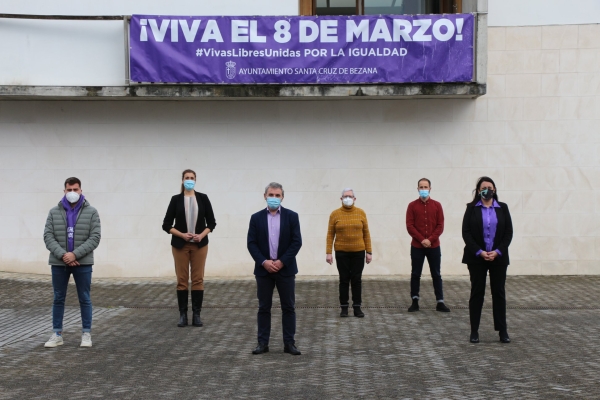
{"x":72,"y":197}
{"x":348,"y":201}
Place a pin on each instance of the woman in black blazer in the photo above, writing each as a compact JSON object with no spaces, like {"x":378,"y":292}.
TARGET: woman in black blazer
{"x":194,"y":220}
{"x":487,"y":231}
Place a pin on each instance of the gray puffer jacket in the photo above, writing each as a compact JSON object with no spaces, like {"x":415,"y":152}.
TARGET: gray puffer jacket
{"x":87,"y":234}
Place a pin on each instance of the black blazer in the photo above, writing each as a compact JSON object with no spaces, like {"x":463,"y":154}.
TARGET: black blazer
{"x":472,"y":233}
{"x":290,"y":241}
{"x":176,"y":212}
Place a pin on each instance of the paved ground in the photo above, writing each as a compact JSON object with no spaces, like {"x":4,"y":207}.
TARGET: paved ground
{"x":139,"y":353}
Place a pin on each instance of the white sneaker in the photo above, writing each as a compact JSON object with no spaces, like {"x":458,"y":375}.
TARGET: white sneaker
{"x":55,"y":340}
{"x":86,"y":340}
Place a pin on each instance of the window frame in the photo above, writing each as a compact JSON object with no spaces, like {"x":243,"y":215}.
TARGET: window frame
{"x":309,"y":7}
{"x":357,"y":7}
{"x":306,"y":7}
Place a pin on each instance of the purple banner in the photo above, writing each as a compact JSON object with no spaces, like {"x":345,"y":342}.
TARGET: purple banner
{"x":302,"y":50}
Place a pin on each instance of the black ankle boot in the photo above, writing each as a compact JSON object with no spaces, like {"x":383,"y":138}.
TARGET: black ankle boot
{"x":344,"y":312}
{"x":415,"y":306}
{"x":197,"y":297}
{"x":358,"y":312}
{"x":182,"y":301}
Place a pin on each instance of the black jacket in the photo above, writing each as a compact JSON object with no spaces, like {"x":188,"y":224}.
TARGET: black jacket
{"x":290,"y":241}
{"x":176,"y":212}
{"x":472,"y":233}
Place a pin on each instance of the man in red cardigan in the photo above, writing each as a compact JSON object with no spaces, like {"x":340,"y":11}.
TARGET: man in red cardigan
{"x":425,"y":224}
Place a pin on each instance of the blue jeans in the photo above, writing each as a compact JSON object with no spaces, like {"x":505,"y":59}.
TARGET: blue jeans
{"x":83,"y":282}
{"x":434,"y":258}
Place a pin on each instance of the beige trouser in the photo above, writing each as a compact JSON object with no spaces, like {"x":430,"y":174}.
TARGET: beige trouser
{"x":186,"y":258}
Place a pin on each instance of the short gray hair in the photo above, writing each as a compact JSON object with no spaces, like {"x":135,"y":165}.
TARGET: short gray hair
{"x":274,"y":185}
{"x":348,"y":190}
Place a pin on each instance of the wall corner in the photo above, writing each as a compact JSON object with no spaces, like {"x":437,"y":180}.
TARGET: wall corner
{"x":482,"y":6}
{"x":481,"y":49}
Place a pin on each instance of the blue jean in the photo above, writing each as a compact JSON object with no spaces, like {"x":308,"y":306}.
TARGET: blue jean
{"x":286,"y":287}
{"x":434,"y":258}
{"x":60,"y":283}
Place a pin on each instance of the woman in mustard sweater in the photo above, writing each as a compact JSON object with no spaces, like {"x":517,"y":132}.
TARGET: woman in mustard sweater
{"x":349,"y":228}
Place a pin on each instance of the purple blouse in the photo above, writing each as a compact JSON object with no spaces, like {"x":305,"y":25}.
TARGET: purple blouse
{"x":490,"y":222}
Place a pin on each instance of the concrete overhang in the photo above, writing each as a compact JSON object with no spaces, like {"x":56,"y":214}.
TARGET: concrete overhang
{"x":245,"y":92}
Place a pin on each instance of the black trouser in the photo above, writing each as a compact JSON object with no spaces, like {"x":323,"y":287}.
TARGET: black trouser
{"x":350,"y":265}
{"x":286,"y":287}
{"x":478,"y":273}
{"x":434,"y":259}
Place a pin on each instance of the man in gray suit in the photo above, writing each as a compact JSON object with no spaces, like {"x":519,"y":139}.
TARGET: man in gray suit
{"x":71,"y":235}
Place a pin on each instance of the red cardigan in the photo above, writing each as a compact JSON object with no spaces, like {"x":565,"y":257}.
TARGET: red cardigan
{"x":425,"y":220}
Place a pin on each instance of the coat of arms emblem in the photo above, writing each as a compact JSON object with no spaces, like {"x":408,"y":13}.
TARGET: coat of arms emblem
{"x":230,"y":69}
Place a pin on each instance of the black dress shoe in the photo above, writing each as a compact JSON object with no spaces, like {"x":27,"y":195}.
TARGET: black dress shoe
{"x":183,"y":321}
{"x":358,"y":312}
{"x":415,"y":306}
{"x":442,"y":307}
{"x":261,"y":348}
{"x":344,"y":312}
{"x":504,"y":337}
{"x":291,"y":348}
{"x":474,"y":337}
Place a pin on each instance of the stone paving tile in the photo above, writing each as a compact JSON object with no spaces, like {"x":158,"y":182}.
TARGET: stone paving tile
{"x":531,"y":291}
{"x":18,"y":325}
{"x":141,"y":354}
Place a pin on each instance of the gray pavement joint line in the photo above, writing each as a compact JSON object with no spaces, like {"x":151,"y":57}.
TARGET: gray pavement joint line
{"x":532,"y":308}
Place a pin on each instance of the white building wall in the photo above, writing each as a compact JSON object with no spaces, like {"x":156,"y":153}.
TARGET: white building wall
{"x":91,"y":53}
{"x":543,"y":12}
{"x":536,"y":133}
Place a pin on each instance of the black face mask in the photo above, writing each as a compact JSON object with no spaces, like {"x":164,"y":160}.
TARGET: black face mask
{"x":487,"y":194}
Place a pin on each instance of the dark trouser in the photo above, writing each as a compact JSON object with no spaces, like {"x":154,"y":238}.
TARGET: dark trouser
{"x":286,"y":287}
{"x":478,"y":273}
{"x":350,"y":265}
{"x":434,"y":259}
{"x":60,"y":283}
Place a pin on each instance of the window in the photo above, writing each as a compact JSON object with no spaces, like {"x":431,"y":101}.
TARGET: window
{"x":336,"y":7}
{"x":374,"y":7}
{"x":411,"y":7}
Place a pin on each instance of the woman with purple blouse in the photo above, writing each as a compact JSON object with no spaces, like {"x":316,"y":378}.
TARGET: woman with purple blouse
{"x":487,"y":231}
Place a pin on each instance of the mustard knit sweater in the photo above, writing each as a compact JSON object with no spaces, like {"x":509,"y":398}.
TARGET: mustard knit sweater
{"x":350,"y":229}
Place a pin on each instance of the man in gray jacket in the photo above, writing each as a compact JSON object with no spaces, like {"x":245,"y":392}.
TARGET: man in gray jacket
{"x":71,"y":235}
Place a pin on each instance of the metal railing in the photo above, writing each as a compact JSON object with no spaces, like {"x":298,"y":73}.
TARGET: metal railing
{"x":68,"y":17}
